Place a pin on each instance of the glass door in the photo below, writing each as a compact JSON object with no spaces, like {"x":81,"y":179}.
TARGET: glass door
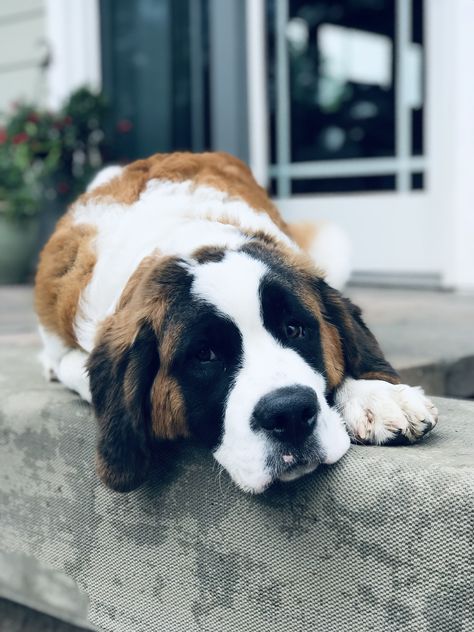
{"x":155,"y":74}
{"x":347,"y":119}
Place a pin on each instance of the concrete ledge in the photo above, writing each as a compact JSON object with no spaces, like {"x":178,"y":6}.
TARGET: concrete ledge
{"x":448,"y":379}
{"x":426,"y":335}
{"x":24,"y":581}
{"x":16,"y":618}
{"x":381,"y":541}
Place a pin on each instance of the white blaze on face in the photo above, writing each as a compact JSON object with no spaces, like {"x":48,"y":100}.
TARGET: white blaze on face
{"x":232,"y":286}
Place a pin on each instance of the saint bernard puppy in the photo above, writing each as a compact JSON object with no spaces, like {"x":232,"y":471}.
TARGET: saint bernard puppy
{"x":175,"y":299}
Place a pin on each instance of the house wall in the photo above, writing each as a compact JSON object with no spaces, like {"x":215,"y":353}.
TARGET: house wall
{"x":447,"y":225}
{"x":22,"y":49}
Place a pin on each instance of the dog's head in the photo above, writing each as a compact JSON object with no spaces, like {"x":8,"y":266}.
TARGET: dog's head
{"x":240,"y":349}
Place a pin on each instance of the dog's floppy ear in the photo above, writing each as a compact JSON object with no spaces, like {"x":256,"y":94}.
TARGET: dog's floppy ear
{"x":363,"y":358}
{"x":122,"y":368}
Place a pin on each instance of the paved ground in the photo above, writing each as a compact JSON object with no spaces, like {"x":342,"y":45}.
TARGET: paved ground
{"x":190,"y":552}
{"x":15,"y":618}
{"x":427,"y":335}
{"x":418,"y":327}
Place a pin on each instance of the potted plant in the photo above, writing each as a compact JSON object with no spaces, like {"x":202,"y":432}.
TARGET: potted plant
{"x":46,"y":160}
{"x":18,"y":216}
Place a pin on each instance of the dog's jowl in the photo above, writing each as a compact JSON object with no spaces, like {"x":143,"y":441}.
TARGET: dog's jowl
{"x":175,"y":299}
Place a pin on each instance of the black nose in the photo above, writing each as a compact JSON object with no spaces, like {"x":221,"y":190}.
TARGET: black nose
{"x":288,"y":414}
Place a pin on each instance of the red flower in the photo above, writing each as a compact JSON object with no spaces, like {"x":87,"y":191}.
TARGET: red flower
{"x":33,"y":117}
{"x":3,"y":136}
{"x":64,"y":122}
{"x":62,"y":187}
{"x":22,"y":137}
{"x":124,"y":126}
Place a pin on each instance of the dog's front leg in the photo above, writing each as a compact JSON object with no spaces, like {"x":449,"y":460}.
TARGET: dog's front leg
{"x":72,"y":373}
{"x":375,"y":407}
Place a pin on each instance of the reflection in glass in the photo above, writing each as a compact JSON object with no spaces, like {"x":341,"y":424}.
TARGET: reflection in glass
{"x":342,"y":82}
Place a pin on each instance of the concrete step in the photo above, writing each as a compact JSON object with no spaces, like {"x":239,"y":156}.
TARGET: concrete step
{"x":381,"y":541}
{"x":18,"y":618}
{"x":428,"y":336}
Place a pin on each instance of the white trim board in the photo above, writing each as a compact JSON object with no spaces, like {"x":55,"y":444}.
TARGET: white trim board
{"x":390,"y":232}
{"x":451,"y":135}
{"x":73,"y":32}
{"x":257,"y":90}
{"x":349,"y":167}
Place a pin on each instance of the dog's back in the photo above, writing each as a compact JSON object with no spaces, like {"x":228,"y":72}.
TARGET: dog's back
{"x":168,"y":203}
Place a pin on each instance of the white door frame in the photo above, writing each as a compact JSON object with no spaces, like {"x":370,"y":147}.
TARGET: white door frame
{"x":259,"y":141}
{"x":451,"y":135}
{"x":73,"y":34}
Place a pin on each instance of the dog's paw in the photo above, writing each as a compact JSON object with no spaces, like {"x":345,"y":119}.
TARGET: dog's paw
{"x":378,"y":412}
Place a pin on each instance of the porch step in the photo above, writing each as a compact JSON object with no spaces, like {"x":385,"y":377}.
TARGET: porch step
{"x":427,"y":335}
{"x":383,"y":540}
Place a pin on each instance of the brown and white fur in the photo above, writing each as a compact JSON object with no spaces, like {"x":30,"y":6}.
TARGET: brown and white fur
{"x":174,"y":297}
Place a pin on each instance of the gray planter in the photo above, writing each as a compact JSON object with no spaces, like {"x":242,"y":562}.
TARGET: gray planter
{"x":18,"y":246}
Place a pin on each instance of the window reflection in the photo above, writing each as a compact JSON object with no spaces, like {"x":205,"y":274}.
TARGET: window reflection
{"x":342,"y":82}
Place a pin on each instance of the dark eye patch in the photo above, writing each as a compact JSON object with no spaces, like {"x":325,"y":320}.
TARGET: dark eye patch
{"x":208,"y":336}
{"x":207,"y":358}
{"x":289,"y":321}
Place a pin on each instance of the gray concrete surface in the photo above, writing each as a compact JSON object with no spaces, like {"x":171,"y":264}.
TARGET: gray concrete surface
{"x":381,"y":541}
{"x":389,"y":529}
{"x":38,"y":589}
{"x":17,"y":618}
{"x":428,"y":336}
{"x":418,"y":327}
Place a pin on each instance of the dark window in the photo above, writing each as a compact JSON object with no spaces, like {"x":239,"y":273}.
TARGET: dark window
{"x":342,"y":86}
{"x":417,"y":181}
{"x":343,"y":185}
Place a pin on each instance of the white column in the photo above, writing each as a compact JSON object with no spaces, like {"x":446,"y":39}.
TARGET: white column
{"x":451,"y":133}
{"x":283,"y":145}
{"x":463,"y":156}
{"x":73,"y":33}
{"x":257,"y":90}
{"x":403,"y":126}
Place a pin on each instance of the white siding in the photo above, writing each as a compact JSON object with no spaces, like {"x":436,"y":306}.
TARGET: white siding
{"x":22,"y":48}
{"x":9,"y":8}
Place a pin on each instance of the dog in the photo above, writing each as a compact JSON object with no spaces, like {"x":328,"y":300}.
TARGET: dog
{"x":175,"y":299}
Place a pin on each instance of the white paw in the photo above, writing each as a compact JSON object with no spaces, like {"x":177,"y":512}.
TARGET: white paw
{"x":378,"y":412}
{"x":72,"y":373}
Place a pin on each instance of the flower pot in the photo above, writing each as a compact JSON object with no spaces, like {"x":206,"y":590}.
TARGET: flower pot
{"x":18,"y":239}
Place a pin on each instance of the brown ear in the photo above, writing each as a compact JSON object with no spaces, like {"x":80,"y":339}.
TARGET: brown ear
{"x":122,"y":368}
{"x":363,"y":358}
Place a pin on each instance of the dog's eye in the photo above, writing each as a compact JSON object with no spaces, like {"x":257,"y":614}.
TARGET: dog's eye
{"x":206,"y":354}
{"x":295,"y":330}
